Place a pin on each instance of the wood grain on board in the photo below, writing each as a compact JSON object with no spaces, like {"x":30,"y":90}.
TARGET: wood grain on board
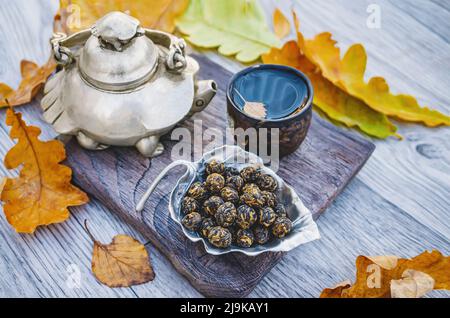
{"x":118,"y":177}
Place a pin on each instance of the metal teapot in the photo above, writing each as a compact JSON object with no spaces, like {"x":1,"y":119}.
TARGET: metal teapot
{"x":122,"y":85}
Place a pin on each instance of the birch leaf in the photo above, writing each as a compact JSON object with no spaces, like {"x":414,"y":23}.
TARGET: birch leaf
{"x":156,"y":14}
{"x":235,"y":27}
{"x":122,"y":263}
{"x":42,"y":192}
{"x":33,"y":78}
{"x":348,"y":74}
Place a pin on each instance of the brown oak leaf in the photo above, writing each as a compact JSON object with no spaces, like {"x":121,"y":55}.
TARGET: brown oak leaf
{"x":42,"y":192}
{"x":122,"y":263}
{"x":33,"y":78}
{"x":386,"y":277}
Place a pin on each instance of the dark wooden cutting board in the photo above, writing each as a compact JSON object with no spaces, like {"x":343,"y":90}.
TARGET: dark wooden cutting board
{"x":118,"y":177}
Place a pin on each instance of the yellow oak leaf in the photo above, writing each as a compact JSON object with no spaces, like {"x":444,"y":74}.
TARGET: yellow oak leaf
{"x":348,"y":74}
{"x":281,"y":25}
{"x":122,"y":263}
{"x":42,"y":192}
{"x":33,"y":78}
{"x":334,"y":102}
{"x":377,"y":278}
{"x":77,"y":15}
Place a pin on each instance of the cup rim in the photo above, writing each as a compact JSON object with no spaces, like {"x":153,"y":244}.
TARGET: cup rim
{"x":252,"y":68}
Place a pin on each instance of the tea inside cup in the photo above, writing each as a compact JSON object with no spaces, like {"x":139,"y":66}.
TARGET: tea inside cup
{"x":279,"y":89}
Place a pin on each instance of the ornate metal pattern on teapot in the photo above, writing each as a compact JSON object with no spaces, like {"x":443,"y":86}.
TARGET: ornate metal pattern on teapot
{"x":122,"y":85}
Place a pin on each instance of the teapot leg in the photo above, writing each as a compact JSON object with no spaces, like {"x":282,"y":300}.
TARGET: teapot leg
{"x":150,"y":146}
{"x":89,"y":143}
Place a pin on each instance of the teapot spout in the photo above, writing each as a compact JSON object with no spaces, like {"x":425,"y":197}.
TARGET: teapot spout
{"x":205,"y":91}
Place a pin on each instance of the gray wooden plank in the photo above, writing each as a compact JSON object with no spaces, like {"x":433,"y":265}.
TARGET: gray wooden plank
{"x":425,"y":15}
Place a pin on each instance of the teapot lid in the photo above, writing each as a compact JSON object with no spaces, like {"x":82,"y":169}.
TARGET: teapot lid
{"x":117,"y":56}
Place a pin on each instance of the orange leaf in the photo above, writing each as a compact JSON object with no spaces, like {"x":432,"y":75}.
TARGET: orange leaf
{"x":336,"y":103}
{"x":122,"y":263}
{"x":77,"y":15}
{"x":379,"y":277}
{"x":33,"y":78}
{"x":281,"y":24}
{"x":335,"y":292}
{"x":348,"y":74}
{"x":42,"y":192}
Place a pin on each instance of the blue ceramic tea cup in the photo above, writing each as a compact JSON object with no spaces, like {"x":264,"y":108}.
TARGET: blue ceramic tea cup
{"x":287,"y":95}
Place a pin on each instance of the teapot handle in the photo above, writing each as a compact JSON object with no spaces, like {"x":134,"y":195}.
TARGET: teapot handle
{"x":61,"y":44}
{"x":176,"y":58}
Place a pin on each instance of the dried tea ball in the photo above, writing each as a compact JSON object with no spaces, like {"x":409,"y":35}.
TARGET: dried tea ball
{"x":219,"y":237}
{"x":261,"y":234}
{"x":189,"y":205}
{"x":267,"y":216}
{"x":250,"y":174}
{"x":253,"y":199}
{"x":215,"y":182}
{"x":281,"y":227}
{"x":250,"y":187}
{"x":198,"y":191}
{"x":246,"y":216}
{"x":231,"y":171}
{"x":229,"y":194}
{"x":226,"y":214}
{"x":206,"y":226}
{"x":192,"y":221}
{"x":280,"y":210}
{"x":244,"y":238}
{"x":267,"y":183}
{"x":215,"y":166}
{"x":270,"y":198}
{"x":211,"y":205}
{"x":235,"y":182}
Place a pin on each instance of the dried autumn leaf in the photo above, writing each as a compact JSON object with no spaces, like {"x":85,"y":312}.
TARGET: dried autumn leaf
{"x":42,"y":192}
{"x":255,"y":109}
{"x":336,"y":291}
{"x":281,"y":25}
{"x":33,"y":78}
{"x":236,"y":27}
{"x":380,"y":281}
{"x":77,"y":15}
{"x":2,"y":183}
{"x":348,"y":74}
{"x":334,"y":102}
{"x":122,"y":263}
{"x":414,"y":284}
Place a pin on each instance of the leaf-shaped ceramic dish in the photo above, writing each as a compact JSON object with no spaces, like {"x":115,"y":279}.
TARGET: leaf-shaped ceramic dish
{"x":304,"y":228}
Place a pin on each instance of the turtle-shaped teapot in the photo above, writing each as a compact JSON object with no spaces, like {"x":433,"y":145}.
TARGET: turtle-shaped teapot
{"x":122,"y":85}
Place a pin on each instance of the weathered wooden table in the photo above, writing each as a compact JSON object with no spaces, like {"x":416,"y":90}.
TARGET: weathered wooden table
{"x":398,"y":204}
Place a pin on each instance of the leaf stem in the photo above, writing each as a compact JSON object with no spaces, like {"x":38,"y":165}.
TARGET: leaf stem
{"x":86,"y":228}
